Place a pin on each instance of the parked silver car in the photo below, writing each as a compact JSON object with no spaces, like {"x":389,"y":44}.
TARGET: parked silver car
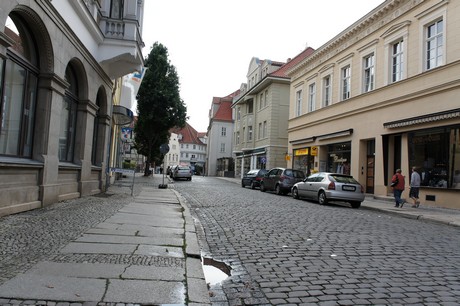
{"x":280,"y":180}
{"x":182,"y":172}
{"x":325,"y":186}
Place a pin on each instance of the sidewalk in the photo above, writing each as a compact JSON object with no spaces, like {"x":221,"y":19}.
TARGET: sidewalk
{"x":425,"y":213}
{"x":146,"y":253}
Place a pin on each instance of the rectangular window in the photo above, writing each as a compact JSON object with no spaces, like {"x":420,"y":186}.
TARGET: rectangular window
{"x":298,"y":103}
{"x":397,"y":63}
{"x":237,"y":140}
{"x":238,"y":113}
{"x":260,"y":131}
{"x":369,"y":72}
{"x":434,"y":44}
{"x":244,"y":135}
{"x":266,"y":98}
{"x":222,"y":148}
{"x":327,"y":90}
{"x":116,"y":9}
{"x":261,"y":101}
{"x":250,"y":107}
{"x":250,"y":132}
{"x":346,"y":79}
{"x":265,"y":130}
{"x":311,"y":97}
{"x":223,"y":133}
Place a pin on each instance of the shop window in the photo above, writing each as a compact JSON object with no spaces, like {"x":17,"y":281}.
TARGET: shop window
{"x":339,"y":158}
{"x":436,"y":155}
{"x":18,"y":89}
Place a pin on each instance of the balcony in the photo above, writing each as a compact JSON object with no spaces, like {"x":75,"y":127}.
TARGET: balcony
{"x":120,"y":53}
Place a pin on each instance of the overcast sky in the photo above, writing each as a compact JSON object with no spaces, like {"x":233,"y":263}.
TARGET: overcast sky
{"x":211,"y":42}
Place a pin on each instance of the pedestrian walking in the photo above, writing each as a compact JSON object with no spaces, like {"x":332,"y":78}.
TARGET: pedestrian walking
{"x":398,"y":183}
{"x":414,"y":187}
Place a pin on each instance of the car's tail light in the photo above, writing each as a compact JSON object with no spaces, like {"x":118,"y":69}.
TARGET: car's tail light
{"x":331,"y":186}
{"x":258,"y":178}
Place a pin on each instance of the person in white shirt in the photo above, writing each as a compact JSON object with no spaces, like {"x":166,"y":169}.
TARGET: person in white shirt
{"x":414,"y":187}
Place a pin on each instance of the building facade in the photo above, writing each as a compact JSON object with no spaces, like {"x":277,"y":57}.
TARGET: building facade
{"x":58,"y":63}
{"x":383,"y":95}
{"x":261,"y":113}
{"x":192,"y":148}
{"x":220,"y":137}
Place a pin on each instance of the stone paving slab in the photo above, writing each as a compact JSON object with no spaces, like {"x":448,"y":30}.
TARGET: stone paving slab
{"x":98,"y":248}
{"x":86,"y":270}
{"x":152,"y":250}
{"x":142,"y":230}
{"x":123,"y":218}
{"x":153,"y":209}
{"x":145,"y":292}
{"x":57,"y":288}
{"x":154,"y":273}
{"x":115,"y":239}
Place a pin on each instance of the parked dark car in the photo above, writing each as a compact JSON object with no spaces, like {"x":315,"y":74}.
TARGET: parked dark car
{"x":253,"y":177}
{"x":281,"y":180}
{"x":325,"y":186}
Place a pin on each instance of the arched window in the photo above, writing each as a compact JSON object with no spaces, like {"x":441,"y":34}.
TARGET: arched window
{"x":68,"y":117}
{"x":96,"y":131}
{"x":18,"y":89}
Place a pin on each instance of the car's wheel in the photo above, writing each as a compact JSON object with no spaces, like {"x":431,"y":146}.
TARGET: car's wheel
{"x":262,"y":187}
{"x":322,"y":198}
{"x":190,"y":179}
{"x":253,"y":185}
{"x":355,"y":204}
{"x":278,"y":190}
{"x":295,"y":193}
{"x":242,"y":184}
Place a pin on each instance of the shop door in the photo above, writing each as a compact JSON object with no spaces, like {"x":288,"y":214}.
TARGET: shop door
{"x":370,"y":174}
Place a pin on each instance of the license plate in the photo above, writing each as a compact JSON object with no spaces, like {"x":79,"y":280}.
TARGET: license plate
{"x":348,"y":188}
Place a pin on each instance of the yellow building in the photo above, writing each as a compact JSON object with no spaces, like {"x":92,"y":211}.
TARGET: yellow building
{"x":382,"y":95}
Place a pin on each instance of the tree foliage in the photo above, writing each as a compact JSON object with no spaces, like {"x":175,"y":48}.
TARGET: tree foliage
{"x":159,"y":106}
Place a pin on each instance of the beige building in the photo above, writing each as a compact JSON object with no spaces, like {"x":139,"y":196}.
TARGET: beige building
{"x":260,"y":115}
{"x":382,"y":95}
{"x":58,"y":63}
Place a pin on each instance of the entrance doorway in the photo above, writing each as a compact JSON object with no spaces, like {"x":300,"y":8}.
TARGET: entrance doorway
{"x":370,"y":166}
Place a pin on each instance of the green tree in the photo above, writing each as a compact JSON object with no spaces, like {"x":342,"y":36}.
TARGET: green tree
{"x":159,"y":106}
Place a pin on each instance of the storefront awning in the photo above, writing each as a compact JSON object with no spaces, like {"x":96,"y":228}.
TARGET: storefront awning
{"x":322,"y":137}
{"x":455,"y":113}
{"x":122,"y":115}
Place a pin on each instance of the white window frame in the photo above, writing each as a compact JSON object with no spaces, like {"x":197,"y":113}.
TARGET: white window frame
{"x":249,"y":132}
{"x":223,"y":132}
{"x":311,"y":97}
{"x":398,"y":34}
{"x":298,"y":103}
{"x":345,"y":82}
{"x":369,"y":72}
{"x":265,"y":130}
{"x":222,"y":147}
{"x":260,"y":131}
{"x":436,"y":13}
{"x":397,"y":61}
{"x":327,"y":90}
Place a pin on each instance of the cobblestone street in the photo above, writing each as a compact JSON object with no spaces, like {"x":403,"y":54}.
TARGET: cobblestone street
{"x":285,"y":251}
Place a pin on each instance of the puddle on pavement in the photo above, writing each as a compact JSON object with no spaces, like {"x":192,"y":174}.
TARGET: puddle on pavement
{"x":215,"y":271}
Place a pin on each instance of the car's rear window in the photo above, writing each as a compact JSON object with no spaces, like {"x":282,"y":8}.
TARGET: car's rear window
{"x":253,"y":172}
{"x":183,"y":168}
{"x":344,"y":179}
{"x":295,"y":173}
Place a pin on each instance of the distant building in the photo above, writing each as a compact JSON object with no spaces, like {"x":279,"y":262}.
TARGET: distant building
{"x":261,"y":112}
{"x":192,"y":147}
{"x":172,"y":157}
{"x":220,"y":137}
